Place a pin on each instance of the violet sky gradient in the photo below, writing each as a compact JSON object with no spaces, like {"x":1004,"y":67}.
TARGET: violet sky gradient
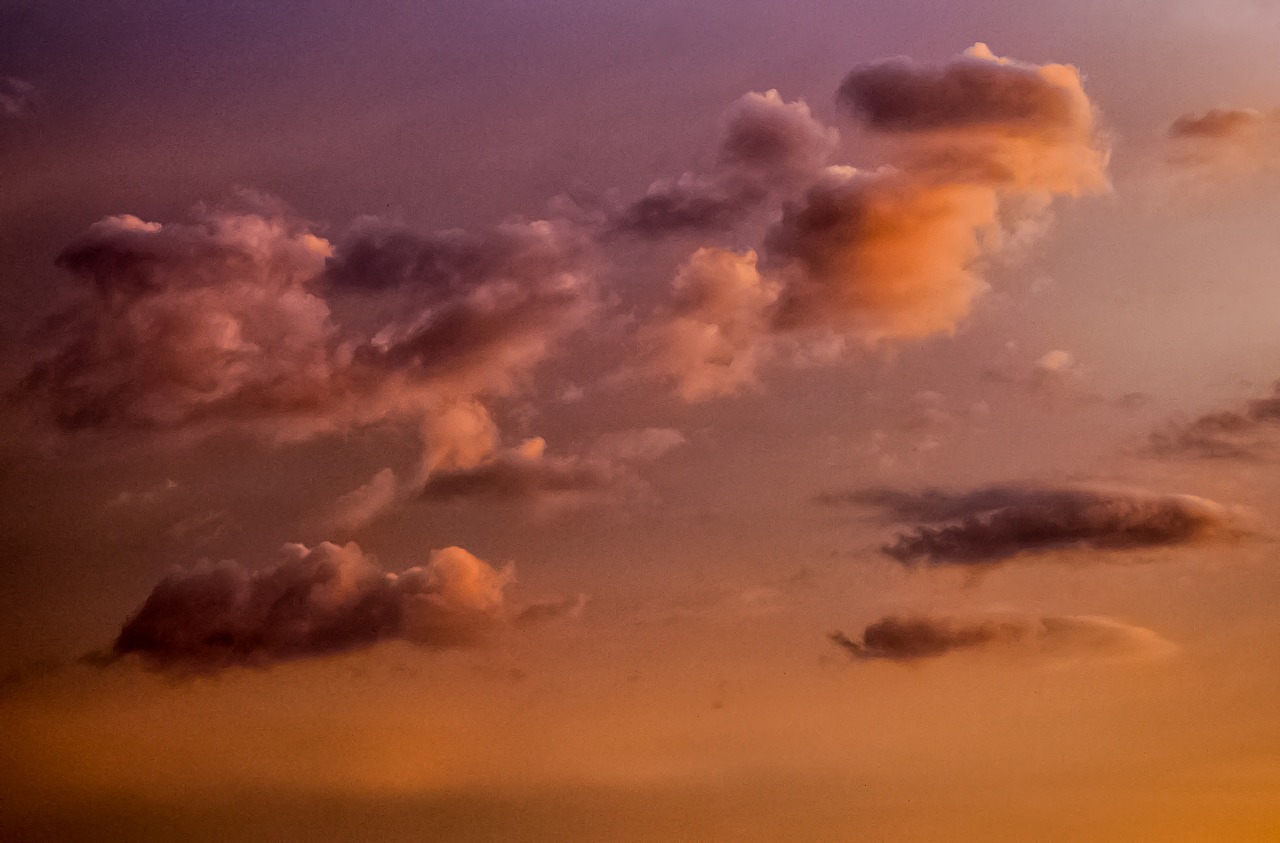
{"x":471,"y":421}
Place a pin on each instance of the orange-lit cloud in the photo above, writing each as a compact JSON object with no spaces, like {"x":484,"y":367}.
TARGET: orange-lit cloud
{"x":315,"y":601}
{"x":979,"y":146}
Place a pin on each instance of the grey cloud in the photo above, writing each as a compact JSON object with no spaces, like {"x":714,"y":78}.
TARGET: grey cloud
{"x":914,"y":638}
{"x":1247,"y":433}
{"x":998,"y":523}
{"x":769,"y":148}
{"x":901,"y":95}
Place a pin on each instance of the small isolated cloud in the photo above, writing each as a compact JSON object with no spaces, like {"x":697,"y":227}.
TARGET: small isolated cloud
{"x":1249,"y":432}
{"x":1224,"y":145}
{"x":915,"y":638}
{"x":528,"y":473}
{"x":999,"y":523}
{"x":551,"y":610}
{"x":18,"y":98}
{"x":315,"y":601}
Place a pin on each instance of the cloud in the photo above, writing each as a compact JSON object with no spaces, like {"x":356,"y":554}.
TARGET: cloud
{"x":555,"y":609}
{"x":528,"y":473}
{"x":998,"y":523}
{"x":909,"y":639}
{"x":711,"y":338}
{"x":315,"y":601}
{"x":18,"y":98}
{"x":983,"y":118}
{"x":978,"y":148}
{"x":245,"y":318}
{"x":1228,"y":143}
{"x":881,"y":255}
{"x":769,"y":148}
{"x":362,"y":505}
{"x":1248,"y":433}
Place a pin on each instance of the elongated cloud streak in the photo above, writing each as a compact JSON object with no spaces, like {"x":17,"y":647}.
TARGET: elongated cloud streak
{"x":1249,"y":432}
{"x":529,"y":473}
{"x":915,"y":638}
{"x":1225,"y":144}
{"x":1000,"y":523}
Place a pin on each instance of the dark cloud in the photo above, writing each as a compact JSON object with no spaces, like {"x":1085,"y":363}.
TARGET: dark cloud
{"x":1251,"y":432}
{"x":998,"y":523}
{"x":769,"y":149}
{"x":908,"y":639}
{"x":315,"y":601}
{"x":984,"y":118}
{"x":900,"y":95}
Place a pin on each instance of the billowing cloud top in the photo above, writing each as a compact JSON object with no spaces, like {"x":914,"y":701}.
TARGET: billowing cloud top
{"x":999,"y":523}
{"x":315,"y":601}
{"x":979,"y":145}
{"x":247,"y":318}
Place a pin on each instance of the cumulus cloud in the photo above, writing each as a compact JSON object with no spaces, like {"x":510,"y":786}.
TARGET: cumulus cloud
{"x":711,"y":338}
{"x":528,"y":473}
{"x":1250,"y":432}
{"x":999,"y":523}
{"x":914,"y":638}
{"x":246,"y":318}
{"x":978,"y":148}
{"x":315,"y":601}
{"x":1225,"y":143}
{"x":769,"y":148}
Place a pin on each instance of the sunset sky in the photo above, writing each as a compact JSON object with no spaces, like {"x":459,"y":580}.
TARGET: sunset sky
{"x":598,"y":421}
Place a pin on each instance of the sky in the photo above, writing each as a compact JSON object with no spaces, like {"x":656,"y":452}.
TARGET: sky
{"x":572,"y":421}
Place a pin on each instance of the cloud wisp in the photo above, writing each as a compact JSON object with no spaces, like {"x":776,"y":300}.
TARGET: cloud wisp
{"x":997,"y":524}
{"x":1224,"y":145}
{"x":1249,"y":432}
{"x":908,"y":639}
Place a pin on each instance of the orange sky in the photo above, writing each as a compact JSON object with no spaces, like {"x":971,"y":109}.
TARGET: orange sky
{"x":581,"y":422}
